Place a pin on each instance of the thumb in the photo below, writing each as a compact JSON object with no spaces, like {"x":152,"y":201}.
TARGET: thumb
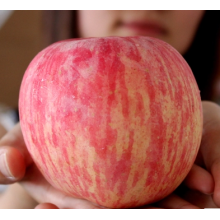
{"x":14,"y":156}
{"x":210,"y":150}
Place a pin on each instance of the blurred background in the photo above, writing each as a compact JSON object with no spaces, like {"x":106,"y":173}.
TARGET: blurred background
{"x":23,"y":33}
{"x":20,"y":40}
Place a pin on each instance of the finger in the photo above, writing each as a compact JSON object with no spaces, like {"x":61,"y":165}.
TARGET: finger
{"x":14,"y":138}
{"x":200,"y":179}
{"x":216,"y":173}
{"x":210,"y":145}
{"x":12,"y":165}
{"x":46,"y":206}
{"x":175,"y":202}
{"x":14,"y":157}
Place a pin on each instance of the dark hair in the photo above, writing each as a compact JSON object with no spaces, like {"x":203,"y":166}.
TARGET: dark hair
{"x":201,"y":56}
{"x":203,"y":53}
{"x":58,"y":25}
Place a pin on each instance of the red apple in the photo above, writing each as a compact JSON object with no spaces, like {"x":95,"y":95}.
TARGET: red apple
{"x":115,"y":120}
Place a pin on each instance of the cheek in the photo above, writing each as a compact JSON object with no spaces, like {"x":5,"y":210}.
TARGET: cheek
{"x":183,"y":28}
{"x":85,"y":22}
{"x":96,"y":23}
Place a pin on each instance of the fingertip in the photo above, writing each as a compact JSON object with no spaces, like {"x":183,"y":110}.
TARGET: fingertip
{"x":12,"y":165}
{"x":16,"y":163}
{"x":46,"y":206}
{"x":201,"y":180}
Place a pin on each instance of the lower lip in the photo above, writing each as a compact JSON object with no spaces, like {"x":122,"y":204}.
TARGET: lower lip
{"x":144,"y":30}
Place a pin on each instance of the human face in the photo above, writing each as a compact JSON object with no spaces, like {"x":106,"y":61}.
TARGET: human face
{"x":177,"y":27}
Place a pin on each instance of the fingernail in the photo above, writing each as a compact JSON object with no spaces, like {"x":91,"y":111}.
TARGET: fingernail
{"x":4,"y":169}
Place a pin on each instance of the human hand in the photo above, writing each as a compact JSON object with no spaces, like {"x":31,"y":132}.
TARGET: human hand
{"x":203,"y":177}
{"x":170,"y":202}
{"x":202,"y":185}
{"x":16,"y":165}
{"x":20,"y":167}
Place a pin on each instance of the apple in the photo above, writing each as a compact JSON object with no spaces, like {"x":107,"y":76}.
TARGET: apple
{"x":114,"y":120}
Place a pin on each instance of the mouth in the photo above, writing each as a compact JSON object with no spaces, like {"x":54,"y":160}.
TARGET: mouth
{"x":143,"y":28}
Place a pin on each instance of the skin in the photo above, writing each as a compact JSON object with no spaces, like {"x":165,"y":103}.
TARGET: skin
{"x":176,"y":27}
{"x":201,"y":187}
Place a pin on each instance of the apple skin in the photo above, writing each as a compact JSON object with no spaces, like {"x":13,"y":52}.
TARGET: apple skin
{"x":115,"y":120}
